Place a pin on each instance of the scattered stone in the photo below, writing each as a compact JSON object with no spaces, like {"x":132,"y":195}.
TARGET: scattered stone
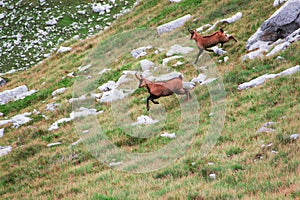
{"x":268,"y":124}
{"x":2,"y":16}
{"x":279,"y":58}
{"x":204,"y":27}
{"x":53,"y":144}
{"x":83,"y":112}
{"x":274,"y":152}
{"x":179,"y":63}
{"x":59,"y":91}
{"x":81,"y":98}
{"x":63,"y":49}
{"x":146,"y":64}
{"x":1,"y":114}
{"x":77,"y":142}
{"x":20,"y":119}
{"x":265,"y":130}
{"x":114,"y":95}
{"x":168,"y":135}
{"x":1,"y":132}
{"x":25,"y":94}
{"x":261,"y":79}
{"x":107,"y":86}
{"x":218,"y":50}
{"x":166,"y":60}
{"x":178,"y":49}
{"x":279,"y":48}
{"x":164,"y":77}
{"x":173,"y":24}
{"x":15,"y":94}
{"x":4,"y":122}
{"x":113,"y":164}
{"x":226,"y":58}
{"x":207,"y":81}
{"x":2,"y":82}
{"x":229,"y":20}
{"x":55,"y":126}
{"x":294,"y":136}
{"x":52,"y":106}
{"x":175,"y":1}
{"x":145,"y":120}
{"x":199,"y":79}
{"x":51,"y":22}
{"x":188,"y":85}
{"x":84,"y":68}
{"x":140,"y":52}
{"x":5,"y":150}
{"x":210,"y":163}
{"x":212,"y":176}
{"x":103,"y":71}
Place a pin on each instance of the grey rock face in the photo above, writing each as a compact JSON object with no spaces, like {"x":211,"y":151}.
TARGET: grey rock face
{"x":281,"y":24}
{"x":173,"y":24}
{"x":2,"y":82}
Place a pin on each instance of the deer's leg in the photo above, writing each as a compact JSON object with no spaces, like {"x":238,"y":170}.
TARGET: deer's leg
{"x":148,"y":102}
{"x":152,"y":99}
{"x":184,"y":91}
{"x":222,"y":44}
{"x":232,"y":38}
{"x":188,"y":94}
{"x":199,"y":53}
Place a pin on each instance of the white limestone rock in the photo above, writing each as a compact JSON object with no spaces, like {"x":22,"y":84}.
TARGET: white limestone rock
{"x":178,"y":49}
{"x":146,"y":64}
{"x":167,"y":60}
{"x":52,"y":106}
{"x":20,"y":119}
{"x":144,"y":120}
{"x":59,"y":91}
{"x":168,"y":135}
{"x":140,"y":52}
{"x":5,"y":150}
{"x":173,"y":24}
{"x":53,"y":144}
{"x":63,"y":49}
{"x":261,"y":79}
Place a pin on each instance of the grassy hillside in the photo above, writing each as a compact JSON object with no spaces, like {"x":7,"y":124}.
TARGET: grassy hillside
{"x":243,"y":168}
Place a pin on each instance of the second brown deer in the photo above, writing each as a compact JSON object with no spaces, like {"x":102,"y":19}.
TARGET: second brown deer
{"x":205,"y":42}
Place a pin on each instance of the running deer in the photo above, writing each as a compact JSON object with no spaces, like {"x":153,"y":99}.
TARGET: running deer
{"x":162,"y":88}
{"x":205,"y":42}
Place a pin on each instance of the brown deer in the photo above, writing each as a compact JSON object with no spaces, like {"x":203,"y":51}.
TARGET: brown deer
{"x":205,"y":42}
{"x":162,"y":88}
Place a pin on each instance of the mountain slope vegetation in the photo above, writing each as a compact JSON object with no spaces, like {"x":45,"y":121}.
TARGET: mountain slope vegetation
{"x":245,"y":164}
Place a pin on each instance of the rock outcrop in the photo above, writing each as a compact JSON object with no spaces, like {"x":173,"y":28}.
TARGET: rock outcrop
{"x":281,"y":24}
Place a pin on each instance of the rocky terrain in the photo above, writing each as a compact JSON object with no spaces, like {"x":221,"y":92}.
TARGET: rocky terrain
{"x":76,"y":125}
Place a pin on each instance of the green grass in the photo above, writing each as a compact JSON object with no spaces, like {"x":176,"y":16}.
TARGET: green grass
{"x":34,"y":171}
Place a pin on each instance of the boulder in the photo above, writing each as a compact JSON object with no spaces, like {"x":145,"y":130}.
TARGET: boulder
{"x":281,"y":24}
{"x":5,"y":150}
{"x":14,"y":94}
{"x":178,"y":49}
{"x":261,"y":79}
{"x":168,"y":27}
{"x":146,"y":64}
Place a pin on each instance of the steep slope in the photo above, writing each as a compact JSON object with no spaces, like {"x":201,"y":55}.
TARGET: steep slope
{"x":243,"y":163}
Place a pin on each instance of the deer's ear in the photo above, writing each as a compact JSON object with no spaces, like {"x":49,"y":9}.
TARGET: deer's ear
{"x":191,"y":31}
